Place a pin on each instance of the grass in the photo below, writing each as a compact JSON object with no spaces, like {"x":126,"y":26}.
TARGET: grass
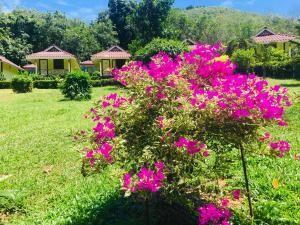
{"x":40,"y":167}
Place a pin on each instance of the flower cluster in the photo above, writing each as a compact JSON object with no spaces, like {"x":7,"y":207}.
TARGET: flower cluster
{"x":242,"y":96}
{"x":104,"y":150}
{"x":147,"y":180}
{"x":192,"y":146}
{"x":280,"y":147}
{"x":104,"y":132}
{"x":211,"y":214}
{"x":114,"y":101}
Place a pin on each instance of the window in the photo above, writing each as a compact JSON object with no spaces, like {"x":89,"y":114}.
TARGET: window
{"x":58,"y":64}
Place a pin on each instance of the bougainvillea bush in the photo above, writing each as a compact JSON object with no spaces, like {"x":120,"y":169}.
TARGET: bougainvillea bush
{"x":173,"y":128}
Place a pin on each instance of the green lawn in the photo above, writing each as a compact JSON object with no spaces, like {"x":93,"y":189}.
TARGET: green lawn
{"x":37,"y":153}
{"x":40,"y":166}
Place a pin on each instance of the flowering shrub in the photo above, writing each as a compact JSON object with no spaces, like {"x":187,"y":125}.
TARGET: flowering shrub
{"x":147,"y":179}
{"x":210,"y":214}
{"x":186,"y":113}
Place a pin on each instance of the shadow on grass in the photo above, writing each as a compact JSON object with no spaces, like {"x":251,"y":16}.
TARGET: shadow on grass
{"x":290,"y":85}
{"x":131,"y":211}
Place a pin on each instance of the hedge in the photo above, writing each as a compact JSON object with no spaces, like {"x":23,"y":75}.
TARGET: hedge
{"x":53,"y":84}
{"x":46,"y":84}
{"x":5,"y":84}
{"x":104,"y":82}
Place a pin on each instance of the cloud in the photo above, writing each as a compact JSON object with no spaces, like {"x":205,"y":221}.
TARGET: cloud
{"x":250,"y":2}
{"x":9,"y":5}
{"x":44,"y":6}
{"x":85,"y":13}
{"x":227,"y":3}
{"x":62,"y":3}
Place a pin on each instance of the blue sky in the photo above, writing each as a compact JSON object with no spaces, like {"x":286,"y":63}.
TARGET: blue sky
{"x":88,"y":9}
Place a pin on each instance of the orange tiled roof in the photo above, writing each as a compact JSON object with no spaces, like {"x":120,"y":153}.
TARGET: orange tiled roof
{"x":87,"y":63}
{"x":53,"y":52}
{"x":274,"y":38}
{"x":3,"y":59}
{"x":29,"y":66}
{"x":114,"y":52}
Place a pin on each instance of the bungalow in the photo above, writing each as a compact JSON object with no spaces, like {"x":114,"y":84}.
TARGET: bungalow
{"x":53,"y":61}
{"x":106,"y":61}
{"x":88,"y":66}
{"x":285,"y":42}
{"x":30,"y":68}
{"x":8,"y":68}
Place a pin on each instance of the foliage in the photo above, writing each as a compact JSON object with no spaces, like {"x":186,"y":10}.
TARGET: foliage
{"x":88,"y":200}
{"x":235,"y":24}
{"x":237,"y":44}
{"x":5,"y":84}
{"x":147,"y":19}
{"x":13,"y":48}
{"x":170,"y":47}
{"x":104,"y":82}
{"x":244,"y":59}
{"x":118,"y":11}
{"x":22,"y":84}
{"x":25,"y":31}
{"x":187,"y":114}
{"x":273,"y":62}
{"x":178,"y":26}
{"x":2,"y":77}
{"x":77,"y":86}
{"x":46,"y":84}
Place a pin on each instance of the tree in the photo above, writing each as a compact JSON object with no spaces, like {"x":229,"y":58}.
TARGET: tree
{"x":298,"y":26}
{"x":118,"y":11}
{"x":148,"y":18}
{"x":236,"y":44}
{"x":170,"y":47}
{"x":178,"y":26}
{"x":80,"y":40}
{"x":104,"y":34}
{"x":15,"y":49}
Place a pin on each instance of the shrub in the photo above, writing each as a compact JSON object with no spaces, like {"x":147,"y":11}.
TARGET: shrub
{"x":244,"y":59}
{"x":104,"y":82}
{"x":170,"y":47}
{"x":77,"y":86}
{"x":22,"y":84}
{"x":2,"y":77}
{"x":46,"y":84}
{"x":5,"y":84}
{"x":173,"y":131}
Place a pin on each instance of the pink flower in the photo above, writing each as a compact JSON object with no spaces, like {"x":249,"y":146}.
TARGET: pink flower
{"x":105,"y":104}
{"x":206,"y":154}
{"x":148,"y":180}
{"x":283,"y":123}
{"x":210,"y":214}
{"x":281,"y":147}
{"x":266,"y":138}
{"x":236,"y":194}
{"x":161,"y":121}
{"x":149,"y":90}
{"x":105,"y":150}
{"x":224,"y":202}
{"x":126,"y":181}
{"x":192,"y":146}
{"x":90,"y":154}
